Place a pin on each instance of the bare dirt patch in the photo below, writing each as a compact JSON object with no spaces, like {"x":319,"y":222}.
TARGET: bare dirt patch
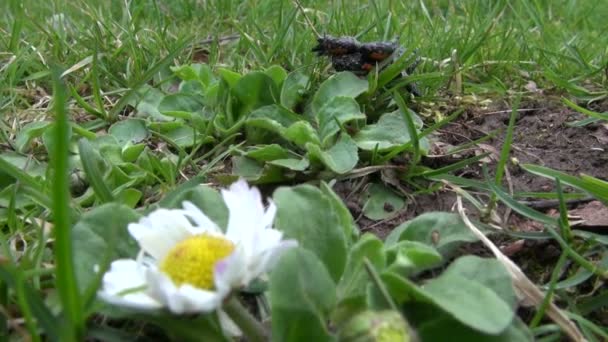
{"x":542,"y":136}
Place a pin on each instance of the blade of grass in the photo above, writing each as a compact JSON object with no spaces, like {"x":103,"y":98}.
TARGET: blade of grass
{"x":593,"y":186}
{"x":540,"y":312}
{"x":564,"y":225}
{"x":411,"y":127}
{"x":148,"y":75}
{"x":90,"y":163}
{"x":515,"y":205}
{"x":504,"y":153}
{"x":64,"y":262}
{"x":590,"y":113}
{"x":453,"y":166}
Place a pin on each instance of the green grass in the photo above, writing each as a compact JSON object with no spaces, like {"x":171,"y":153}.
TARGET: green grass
{"x":116,"y":57}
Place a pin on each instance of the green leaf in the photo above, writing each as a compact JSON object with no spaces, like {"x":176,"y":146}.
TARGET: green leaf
{"x":172,"y":198}
{"x":335,"y":113}
{"x":469,"y":302}
{"x":293,"y":89}
{"x":291,"y":163}
{"x":594,"y":186}
{"x":439,"y":326}
{"x":100,"y":236}
{"x":302,"y":214}
{"x":488,"y":272}
{"x":148,"y":106}
{"x":255,"y":90}
{"x":129,"y":197}
{"x":256,"y":172}
{"x":273,"y":118}
{"x":130,"y":153}
{"x":301,"y":133}
{"x":352,"y":287}
{"x":48,"y":139}
{"x":130,"y":130}
{"x":340,"y":84}
{"x":381,"y":202}
{"x":190,"y":329}
{"x":267,"y":152}
{"x":194,"y":72}
{"x":444,"y":231}
{"x":22,"y":165}
{"x":277,"y":74}
{"x":466,"y":301}
{"x":183,"y":136}
{"x":302,"y":294}
{"x":410,"y":257}
{"x":28,"y":132}
{"x":390,"y":131}
{"x":340,"y":158}
{"x":347,"y":222}
{"x":229,"y":76}
{"x":181,"y":105}
{"x":34,"y":300}
{"x":94,"y":167}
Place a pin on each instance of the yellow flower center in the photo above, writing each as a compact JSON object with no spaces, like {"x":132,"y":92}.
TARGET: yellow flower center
{"x":192,"y":260}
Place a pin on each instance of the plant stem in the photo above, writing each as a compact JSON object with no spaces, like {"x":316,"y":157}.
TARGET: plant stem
{"x":245,"y":320}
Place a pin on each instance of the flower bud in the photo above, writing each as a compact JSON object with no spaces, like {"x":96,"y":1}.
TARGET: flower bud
{"x":376,"y":326}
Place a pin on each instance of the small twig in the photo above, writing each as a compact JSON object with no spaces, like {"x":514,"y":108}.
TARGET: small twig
{"x":524,"y":286}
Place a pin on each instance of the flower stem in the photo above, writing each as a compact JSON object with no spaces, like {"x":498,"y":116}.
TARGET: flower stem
{"x":245,"y":320}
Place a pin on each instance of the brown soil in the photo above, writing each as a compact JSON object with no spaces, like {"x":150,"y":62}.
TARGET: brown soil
{"x":541,"y":137}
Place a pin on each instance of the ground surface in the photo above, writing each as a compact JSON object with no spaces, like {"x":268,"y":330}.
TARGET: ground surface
{"x":477,"y":56}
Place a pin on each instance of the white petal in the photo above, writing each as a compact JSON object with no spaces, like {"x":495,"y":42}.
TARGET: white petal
{"x":203,"y":223}
{"x":231,"y":272}
{"x":183,"y":299}
{"x":269,"y":215}
{"x":189,"y":299}
{"x":125,"y":275}
{"x":266,"y":260}
{"x":246,"y":211}
{"x":158,"y":232}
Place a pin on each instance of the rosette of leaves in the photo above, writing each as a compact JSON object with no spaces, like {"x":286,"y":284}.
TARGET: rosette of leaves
{"x":327,"y":134}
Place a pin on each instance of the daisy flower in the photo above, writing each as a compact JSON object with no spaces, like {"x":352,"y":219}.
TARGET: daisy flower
{"x":187,"y":264}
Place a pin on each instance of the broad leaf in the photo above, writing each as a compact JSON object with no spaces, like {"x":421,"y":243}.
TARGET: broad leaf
{"x":465,"y":300}
{"x":277,"y":73}
{"x":301,"y":133}
{"x":303,"y":215}
{"x":267,"y":152}
{"x":302,"y":294}
{"x":444,"y":231}
{"x":293,"y":89}
{"x":335,"y":113}
{"x":291,"y":163}
{"x":410,"y":257}
{"x":340,"y":84}
{"x":273,"y":117}
{"x":255,"y":90}
{"x":129,"y":131}
{"x":381,"y":202}
{"x":101,"y":236}
{"x":488,"y":272}
{"x":181,"y":105}
{"x":436,"y":325}
{"x":28,"y":132}
{"x":340,"y":158}
{"x":390,"y":131}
